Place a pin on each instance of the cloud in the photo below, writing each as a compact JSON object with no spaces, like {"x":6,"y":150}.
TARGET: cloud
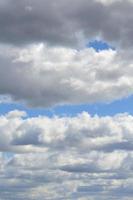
{"x":44,"y":63}
{"x":58,"y":23}
{"x":84,"y":154}
{"x":42,"y":76}
{"x":82,"y":132}
{"x":43,"y":50}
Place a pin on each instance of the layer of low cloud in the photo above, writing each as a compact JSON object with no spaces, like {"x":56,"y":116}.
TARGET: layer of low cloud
{"x":43,"y":76}
{"x":83,"y":154}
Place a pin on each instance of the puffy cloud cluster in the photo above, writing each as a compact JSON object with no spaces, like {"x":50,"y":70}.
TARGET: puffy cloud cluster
{"x":69,"y":157}
{"x":83,"y":132}
{"x":47,"y":76}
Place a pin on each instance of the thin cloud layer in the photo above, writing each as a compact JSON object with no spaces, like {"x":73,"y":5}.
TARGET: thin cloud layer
{"x":83,"y":154}
{"x":42,"y":76}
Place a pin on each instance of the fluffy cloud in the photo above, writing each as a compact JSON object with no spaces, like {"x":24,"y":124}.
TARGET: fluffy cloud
{"x":82,"y":153}
{"x":56,"y":22}
{"x":83,"y":132}
{"x":47,"y":76}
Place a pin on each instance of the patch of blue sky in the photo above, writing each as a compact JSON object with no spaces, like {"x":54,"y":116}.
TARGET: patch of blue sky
{"x":99,"y":45}
{"x":101,"y":109}
{"x":31,"y":112}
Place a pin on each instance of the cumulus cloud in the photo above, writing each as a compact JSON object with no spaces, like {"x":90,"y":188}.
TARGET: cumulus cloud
{"x":105,"y":134}
{"x":43,"y":76}
{"x":68,"y":151}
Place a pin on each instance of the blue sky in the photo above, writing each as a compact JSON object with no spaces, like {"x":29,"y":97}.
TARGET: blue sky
{"x":99,"y":45}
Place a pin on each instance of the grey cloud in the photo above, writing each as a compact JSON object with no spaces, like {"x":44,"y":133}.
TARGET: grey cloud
{"x":65,"y":23}
{"x":122,"y":190}
{"x":49,"y":188}
{"x":31,"y":176}
{"x":33,"y":21}
{"x":90,"y":189}
{"x":124,"y":145}
{"x":82,"y":168}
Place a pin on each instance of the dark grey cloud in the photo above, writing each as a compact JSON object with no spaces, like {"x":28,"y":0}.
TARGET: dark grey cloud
{"x":64,"y":22}
{"x":33,"y":21}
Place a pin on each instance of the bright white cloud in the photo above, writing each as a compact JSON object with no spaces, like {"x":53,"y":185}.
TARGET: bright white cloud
{"x":88,"y":156}
{"x":82,"y":132}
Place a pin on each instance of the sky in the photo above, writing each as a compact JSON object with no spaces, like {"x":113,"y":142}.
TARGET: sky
{"x":66,"y":93}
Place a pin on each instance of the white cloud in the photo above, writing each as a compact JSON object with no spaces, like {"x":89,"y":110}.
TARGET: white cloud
{"x":47,"y":76}
{"x":88,"y":156}
{"x":82,"y":132}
